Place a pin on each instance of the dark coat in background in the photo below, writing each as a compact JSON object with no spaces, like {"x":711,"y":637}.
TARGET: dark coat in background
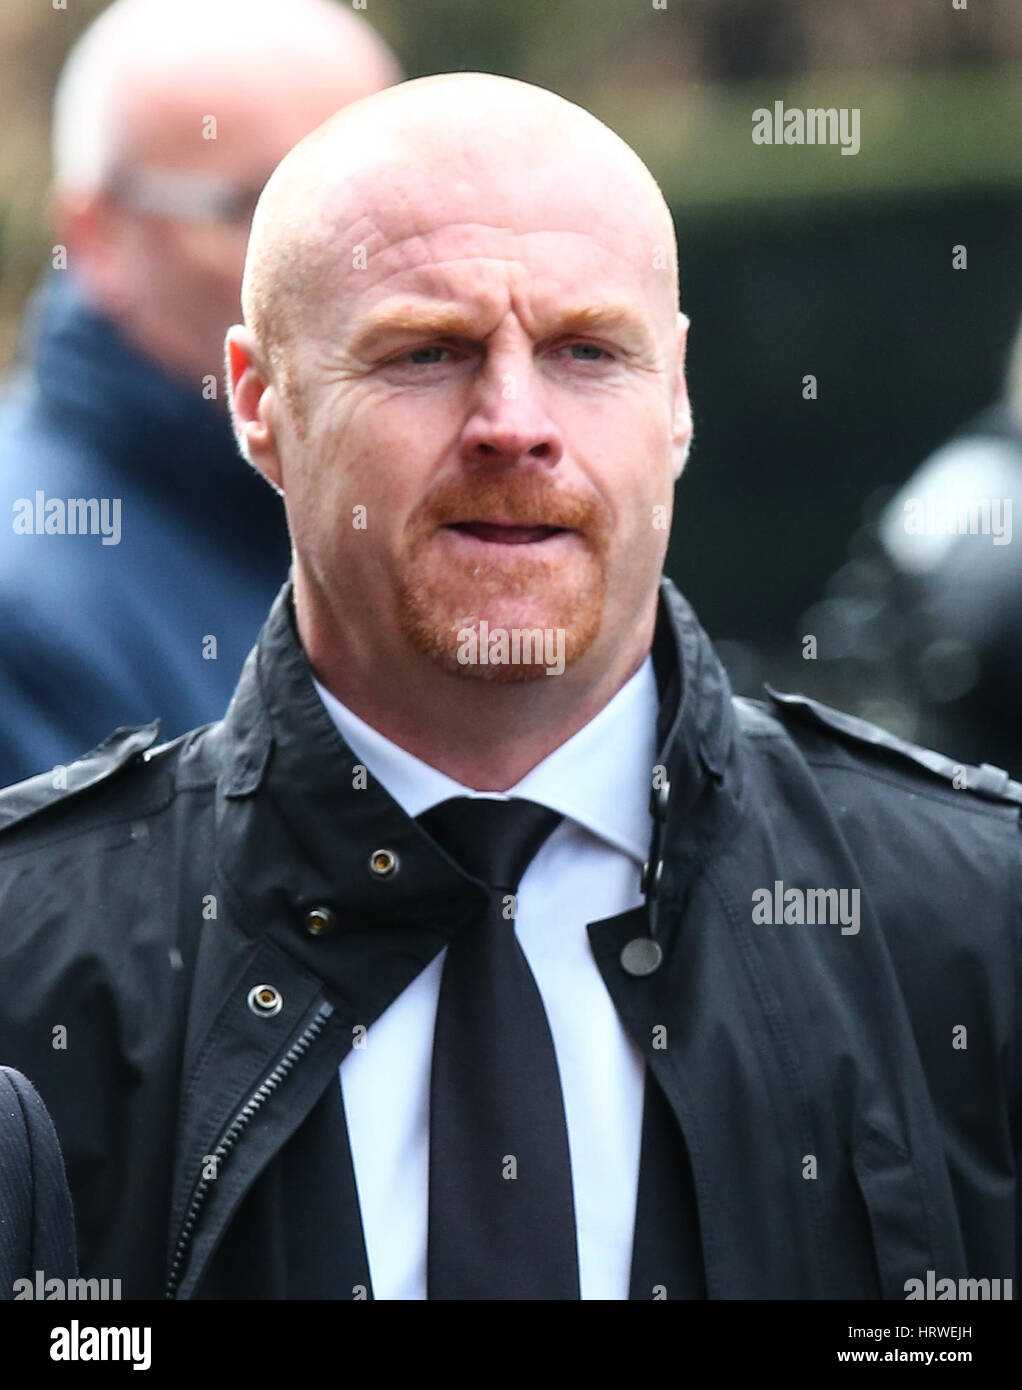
{"x":93,"y":635}
{"x":36,"y":1221}
{"x":844,"y":1134}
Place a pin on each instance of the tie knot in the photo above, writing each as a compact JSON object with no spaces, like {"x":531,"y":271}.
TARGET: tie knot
{"x":492,"y":840}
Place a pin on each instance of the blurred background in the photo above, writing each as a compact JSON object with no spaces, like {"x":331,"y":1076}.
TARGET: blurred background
{"x":794,"y":261}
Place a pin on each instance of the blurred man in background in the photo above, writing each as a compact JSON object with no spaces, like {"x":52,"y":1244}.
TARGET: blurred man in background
{"x":138,"y":559}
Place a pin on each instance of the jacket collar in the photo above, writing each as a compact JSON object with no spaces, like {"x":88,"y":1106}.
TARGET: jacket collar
{"x":282,"y":760}
{"x":696,"y":728}
{"x":597,"y":778}
{"x":276,"y":704}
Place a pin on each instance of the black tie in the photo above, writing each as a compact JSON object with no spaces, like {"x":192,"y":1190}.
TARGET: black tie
{"x":501,"y":1210}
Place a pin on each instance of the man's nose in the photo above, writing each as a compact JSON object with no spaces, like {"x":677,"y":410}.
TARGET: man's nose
{"x":509,"y":420}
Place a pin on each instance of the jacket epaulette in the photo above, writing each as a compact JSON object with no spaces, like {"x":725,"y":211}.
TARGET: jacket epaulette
{"x":60,"y":784}
{"x":986,"y":779}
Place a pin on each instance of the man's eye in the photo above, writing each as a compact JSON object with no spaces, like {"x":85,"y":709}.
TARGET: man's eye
{"x":426,"y":356}
{"x":586,"y":352}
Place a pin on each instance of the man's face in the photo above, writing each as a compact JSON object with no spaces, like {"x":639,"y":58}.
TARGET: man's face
{"x":490,"y":418}
{"x":184,"y":275}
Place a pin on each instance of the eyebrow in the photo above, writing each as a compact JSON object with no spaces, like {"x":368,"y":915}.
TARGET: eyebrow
{"x":443,"y":321}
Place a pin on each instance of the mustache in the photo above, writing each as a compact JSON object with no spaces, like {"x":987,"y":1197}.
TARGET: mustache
{"x":525,"y":500}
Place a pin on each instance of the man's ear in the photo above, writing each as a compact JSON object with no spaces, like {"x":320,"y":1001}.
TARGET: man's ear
{"x":253,"y":402}
{"x":89,"y":225}
{"x":681,"y":431}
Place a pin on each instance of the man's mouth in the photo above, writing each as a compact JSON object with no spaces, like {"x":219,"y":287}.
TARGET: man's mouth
{"x":506,"y":533}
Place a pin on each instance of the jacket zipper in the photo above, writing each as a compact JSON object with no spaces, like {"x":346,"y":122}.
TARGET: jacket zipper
{"x":238,"y":1125}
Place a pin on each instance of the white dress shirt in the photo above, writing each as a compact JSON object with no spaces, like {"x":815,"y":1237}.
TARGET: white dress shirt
{"x":587,"y":870}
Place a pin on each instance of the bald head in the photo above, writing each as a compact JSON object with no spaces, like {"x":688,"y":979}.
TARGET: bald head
{"x":497,"y":151}
{"x":144,"y":61}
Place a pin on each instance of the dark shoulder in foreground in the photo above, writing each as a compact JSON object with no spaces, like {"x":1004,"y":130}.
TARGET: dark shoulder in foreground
{"x":101,"y":786}
{"x":829,"y":736}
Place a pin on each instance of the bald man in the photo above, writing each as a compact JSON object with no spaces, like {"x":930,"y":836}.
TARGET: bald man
{"x":488,"y":949}
{"x":139,"y":559}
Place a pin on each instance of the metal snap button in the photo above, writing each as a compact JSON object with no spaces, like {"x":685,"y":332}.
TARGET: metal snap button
{"x":641,"y":956}
{"x":650,"y":881}
{"x":383,"y":863}
{"x":265,"y":1000}
{"x":320,"y":921}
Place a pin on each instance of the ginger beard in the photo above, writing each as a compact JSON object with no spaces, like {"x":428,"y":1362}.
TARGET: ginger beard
{"x":446,"y":586}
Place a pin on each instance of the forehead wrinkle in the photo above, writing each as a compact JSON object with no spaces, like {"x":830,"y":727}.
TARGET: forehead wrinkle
{"x":523,"y":279}
{"x":444,"y":231}
{"x":419,"y":255}
{"x":422,"y":245}
{"x":446,"y":310}
{"x":543,"y":301}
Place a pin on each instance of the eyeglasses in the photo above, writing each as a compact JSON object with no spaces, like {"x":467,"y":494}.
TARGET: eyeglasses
{"x":193,"y":197}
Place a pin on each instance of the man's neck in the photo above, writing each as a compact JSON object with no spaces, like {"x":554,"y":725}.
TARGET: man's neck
{"x":485,"y":734}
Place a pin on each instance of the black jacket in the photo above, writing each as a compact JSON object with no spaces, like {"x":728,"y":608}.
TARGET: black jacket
{"x":96,"y":634}
{"x":37,"y":1234}
{"x":841,"y":1139}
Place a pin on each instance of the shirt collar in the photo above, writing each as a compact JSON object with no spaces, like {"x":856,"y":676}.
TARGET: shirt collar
{"x":599,"y":777}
